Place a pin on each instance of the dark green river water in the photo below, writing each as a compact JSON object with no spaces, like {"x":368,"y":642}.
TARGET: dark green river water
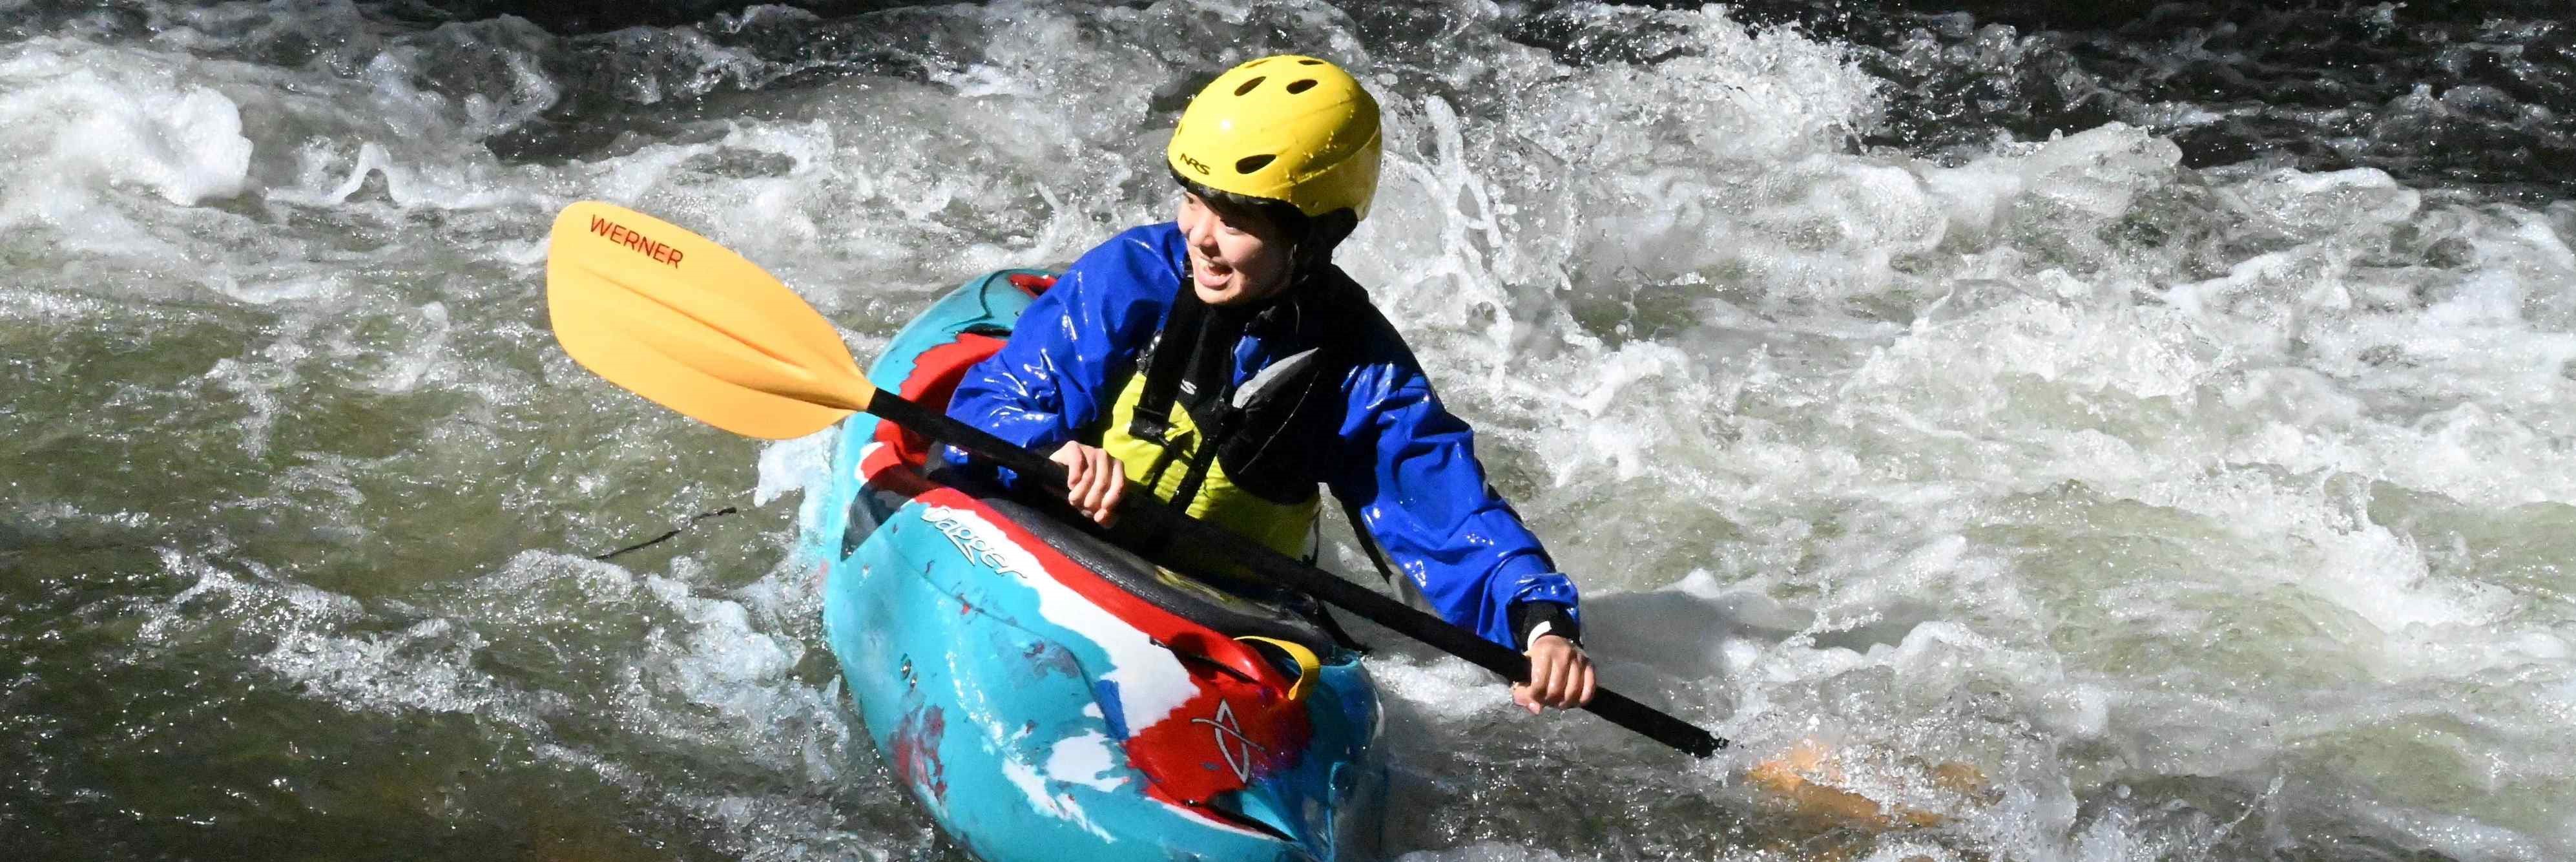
{"x":2167,"y":416}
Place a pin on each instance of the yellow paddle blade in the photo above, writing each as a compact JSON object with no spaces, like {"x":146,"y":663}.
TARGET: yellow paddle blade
{"x":674,"y":317}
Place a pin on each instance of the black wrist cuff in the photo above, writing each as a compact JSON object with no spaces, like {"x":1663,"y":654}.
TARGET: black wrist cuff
{"x":1558,"y":619}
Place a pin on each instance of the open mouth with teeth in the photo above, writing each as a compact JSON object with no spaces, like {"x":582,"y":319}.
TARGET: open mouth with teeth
{"x":1210,"y":273}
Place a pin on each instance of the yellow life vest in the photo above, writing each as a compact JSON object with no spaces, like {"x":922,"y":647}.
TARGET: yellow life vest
{"x":1286,"y":527}
{"x":1231,"y":453}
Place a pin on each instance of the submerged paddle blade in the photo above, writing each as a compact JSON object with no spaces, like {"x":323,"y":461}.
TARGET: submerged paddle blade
{"x":676,"y":318}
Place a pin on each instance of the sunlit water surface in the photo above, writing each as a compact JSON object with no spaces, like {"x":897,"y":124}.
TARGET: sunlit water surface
{"x":2210,"y":508}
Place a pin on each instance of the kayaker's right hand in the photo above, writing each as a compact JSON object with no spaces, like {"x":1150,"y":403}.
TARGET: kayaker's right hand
{"x":1560,"y":675}
{"x":1094,"y":480}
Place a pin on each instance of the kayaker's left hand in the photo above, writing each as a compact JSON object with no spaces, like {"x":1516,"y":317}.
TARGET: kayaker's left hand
{"x":1560,"y":676}
{"x":1094,"y":480}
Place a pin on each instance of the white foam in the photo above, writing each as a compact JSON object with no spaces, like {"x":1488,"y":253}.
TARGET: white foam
{"x":78,"y":120}
{"x":2057,"y":455}
{"x":787,"y":465}
{"x":1484,"y":852}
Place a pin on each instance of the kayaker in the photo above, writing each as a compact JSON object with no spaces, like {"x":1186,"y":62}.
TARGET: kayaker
{"x":1223,"y":359}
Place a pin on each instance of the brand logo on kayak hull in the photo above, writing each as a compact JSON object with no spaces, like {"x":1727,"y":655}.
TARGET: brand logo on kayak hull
{"x":1231,"y":743}
{"x":971,"y":543}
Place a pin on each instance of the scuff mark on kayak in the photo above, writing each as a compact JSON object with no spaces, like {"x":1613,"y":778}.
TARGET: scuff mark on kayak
{"x":1057,"y":805}
{"x":1045,"y":657}
{"x":916,"y":752}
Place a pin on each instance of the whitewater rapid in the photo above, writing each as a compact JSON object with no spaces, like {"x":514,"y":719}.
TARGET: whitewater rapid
{"x":2217,"y":512}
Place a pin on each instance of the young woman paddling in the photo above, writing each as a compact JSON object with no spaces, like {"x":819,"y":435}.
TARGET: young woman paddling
{"x":1222,"y":360}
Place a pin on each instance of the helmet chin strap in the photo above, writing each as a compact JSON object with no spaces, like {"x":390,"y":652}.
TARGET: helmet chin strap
{"x":1294,"y":276}
{"x":1305,"y":259}
{"x":1296,"y":271}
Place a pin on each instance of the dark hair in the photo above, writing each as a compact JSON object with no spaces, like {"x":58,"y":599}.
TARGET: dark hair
{"x":1311,"y":239}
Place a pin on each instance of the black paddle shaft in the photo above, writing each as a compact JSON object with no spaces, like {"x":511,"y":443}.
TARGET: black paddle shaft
{"x":1157,"y":516}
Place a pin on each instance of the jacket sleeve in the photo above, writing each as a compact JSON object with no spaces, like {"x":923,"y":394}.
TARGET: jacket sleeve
{"x":1049,"y":380}
{"x":1409,"y":468}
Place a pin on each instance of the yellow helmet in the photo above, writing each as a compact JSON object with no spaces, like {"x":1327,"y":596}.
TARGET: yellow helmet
{"x":1284,"y":128}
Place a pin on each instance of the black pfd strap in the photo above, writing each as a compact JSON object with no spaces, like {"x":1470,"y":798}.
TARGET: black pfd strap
{"x":1192,"y":361}
{"x":1190,"y":365}
{"x":1166,"y":361}
{"x":1200,"y":460}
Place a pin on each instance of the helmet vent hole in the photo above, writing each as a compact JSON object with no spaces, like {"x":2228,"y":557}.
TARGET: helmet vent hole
{"x":1248,"y":164}
{"x":1300,"y":86}
{"x":1310,"y":61}
{"x":1248,"y":85}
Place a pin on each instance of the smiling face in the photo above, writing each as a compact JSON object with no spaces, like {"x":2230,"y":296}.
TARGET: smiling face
{"x":1233,"y":259}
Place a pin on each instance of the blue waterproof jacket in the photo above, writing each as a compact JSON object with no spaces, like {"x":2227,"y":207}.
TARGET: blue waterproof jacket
{"x":1401,"y":460}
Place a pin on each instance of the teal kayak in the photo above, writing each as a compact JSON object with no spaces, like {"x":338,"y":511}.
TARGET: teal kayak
{"x":1049,"y":697}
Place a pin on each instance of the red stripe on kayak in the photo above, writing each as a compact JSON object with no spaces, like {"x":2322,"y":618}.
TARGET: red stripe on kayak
{"x":1032,"y":283}
{"x":896,"y":466}
{"x":933,"y":381}
{"x":1237,"y":725}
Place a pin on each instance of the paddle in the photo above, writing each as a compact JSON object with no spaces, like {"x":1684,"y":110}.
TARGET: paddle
{"x":676,"y":318}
